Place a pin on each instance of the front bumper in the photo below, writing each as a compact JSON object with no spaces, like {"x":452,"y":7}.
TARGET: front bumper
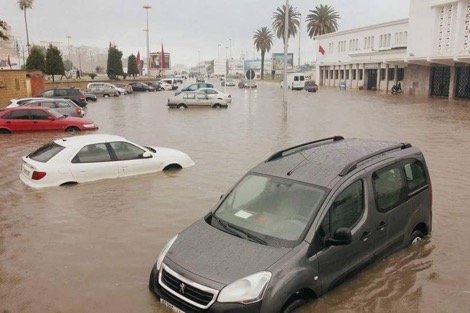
{"x":216,"y":307}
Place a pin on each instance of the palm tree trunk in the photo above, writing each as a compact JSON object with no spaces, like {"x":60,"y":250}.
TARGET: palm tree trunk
{"x":262,"y":65}
{"x":27,"y":34}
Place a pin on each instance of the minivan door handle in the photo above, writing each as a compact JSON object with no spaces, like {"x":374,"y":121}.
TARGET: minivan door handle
{"x":365,"y":236}
{"x":381,"y":226}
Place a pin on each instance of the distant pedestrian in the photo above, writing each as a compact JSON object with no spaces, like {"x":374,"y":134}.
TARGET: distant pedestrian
{"x":78,"y":73}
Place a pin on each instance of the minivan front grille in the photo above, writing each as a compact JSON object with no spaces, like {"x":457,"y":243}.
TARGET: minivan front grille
{"x":188,"y":291}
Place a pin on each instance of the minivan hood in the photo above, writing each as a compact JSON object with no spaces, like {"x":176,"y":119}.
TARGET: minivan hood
{"x":221,"y":257}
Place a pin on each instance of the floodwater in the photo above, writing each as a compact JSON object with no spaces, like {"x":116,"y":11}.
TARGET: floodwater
{"x":90,"y":247}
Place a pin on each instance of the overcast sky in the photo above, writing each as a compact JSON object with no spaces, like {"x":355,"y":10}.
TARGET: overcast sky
{"x":183,"y":26}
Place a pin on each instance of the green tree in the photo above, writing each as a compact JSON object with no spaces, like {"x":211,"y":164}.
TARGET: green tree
{"x":263,"y":40}
{"x":279,"y":21}
{"x":68,"y":65}
{"x":3,"y":30}
{"x":132,"y":68}
{"x":114,"y":66}
{"x":26,"y":4}
{"x":36,"y":59}
{"x":54,"y":63}
{"x":322,"y":20}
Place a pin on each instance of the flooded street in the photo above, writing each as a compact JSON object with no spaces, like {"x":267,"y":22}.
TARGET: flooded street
{"x":90,"y":247}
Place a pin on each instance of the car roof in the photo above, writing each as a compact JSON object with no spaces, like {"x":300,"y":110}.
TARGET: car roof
{"x":88,"y":139}
{"x":322,"y":162}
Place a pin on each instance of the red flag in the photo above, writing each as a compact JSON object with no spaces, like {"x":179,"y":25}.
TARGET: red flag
{"x":8,"y":61}
{"x":162,"y":59}
{"x":321,"y":50}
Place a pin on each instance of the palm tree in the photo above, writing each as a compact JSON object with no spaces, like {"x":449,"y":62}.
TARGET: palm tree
{"x":322,"y":20}
{"x":263,"y":39}
{"x":26,"y":4}
{"x":279,"y":21}
{"x":3,"y":30}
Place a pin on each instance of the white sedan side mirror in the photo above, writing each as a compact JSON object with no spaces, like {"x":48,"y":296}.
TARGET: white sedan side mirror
{"x":146,"y":155}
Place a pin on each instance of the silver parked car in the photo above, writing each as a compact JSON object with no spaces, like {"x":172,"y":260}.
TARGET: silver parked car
{"x":197,"y":99}
{"x":103,"y":90}
{"x":63,"y":106}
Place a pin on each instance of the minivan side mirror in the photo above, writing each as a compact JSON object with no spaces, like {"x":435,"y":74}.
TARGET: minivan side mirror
{"x":341,"y":237}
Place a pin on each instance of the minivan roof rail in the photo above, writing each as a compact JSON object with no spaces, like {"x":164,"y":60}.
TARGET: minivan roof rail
{"x":353,"y":165}
{"x":281,"y":153}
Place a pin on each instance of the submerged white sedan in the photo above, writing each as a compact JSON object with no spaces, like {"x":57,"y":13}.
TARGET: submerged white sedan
{"x":93,"y":157}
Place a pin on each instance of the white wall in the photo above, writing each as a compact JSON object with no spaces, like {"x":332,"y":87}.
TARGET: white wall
{"x":421,"y":29}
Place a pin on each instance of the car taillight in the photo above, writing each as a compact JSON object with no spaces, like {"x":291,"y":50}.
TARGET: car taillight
{"x":229,"y":96}
{"x":79,"y":111}
{"x":38,"y":175}
{"x":82,"y":98}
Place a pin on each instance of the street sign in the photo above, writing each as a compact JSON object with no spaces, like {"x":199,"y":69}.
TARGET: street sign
{"x":250,"y":74}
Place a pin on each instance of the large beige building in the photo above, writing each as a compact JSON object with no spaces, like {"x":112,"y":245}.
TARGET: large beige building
{"x":428,"y":53}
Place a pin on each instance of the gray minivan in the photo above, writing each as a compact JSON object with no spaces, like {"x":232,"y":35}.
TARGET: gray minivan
{"x":297,"y":225}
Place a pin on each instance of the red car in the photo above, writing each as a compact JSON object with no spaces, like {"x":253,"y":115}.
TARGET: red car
{"x":40,"y":119}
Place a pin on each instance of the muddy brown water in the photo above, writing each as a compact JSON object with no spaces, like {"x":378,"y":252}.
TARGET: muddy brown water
{"x":90,"y":247}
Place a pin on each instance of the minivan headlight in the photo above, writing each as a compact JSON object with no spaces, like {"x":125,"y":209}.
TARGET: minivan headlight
{"x":246,"y":290}
{"x":164,"y":251}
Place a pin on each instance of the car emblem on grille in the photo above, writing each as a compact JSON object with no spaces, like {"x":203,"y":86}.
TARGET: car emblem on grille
{"x":182,"y":287}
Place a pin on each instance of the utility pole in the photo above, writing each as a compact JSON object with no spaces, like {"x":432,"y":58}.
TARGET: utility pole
{"x":147,"y":7}
{"x":230,"y":45}
{"x":218,"y":51}
{"x":286,"y":38}
{"x":199,"y":62}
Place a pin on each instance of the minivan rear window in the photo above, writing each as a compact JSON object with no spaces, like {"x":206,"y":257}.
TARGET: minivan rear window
{"x":46,"y":152}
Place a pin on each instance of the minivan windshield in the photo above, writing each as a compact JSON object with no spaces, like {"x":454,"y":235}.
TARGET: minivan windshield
{"x":269,"y":210}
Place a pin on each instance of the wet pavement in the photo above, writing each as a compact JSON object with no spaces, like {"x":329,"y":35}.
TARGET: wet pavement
{"x":90,"y":247}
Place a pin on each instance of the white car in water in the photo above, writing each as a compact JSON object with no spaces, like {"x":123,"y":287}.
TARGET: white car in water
{"x":93,"y":157}
{"x":213,"y":93}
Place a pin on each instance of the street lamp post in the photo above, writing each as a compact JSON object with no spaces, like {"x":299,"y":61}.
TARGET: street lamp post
{"x":199,"y":62}
{"x":218,"y":51}
{"x":147,"y":7}
{"x":299,"y":38}
{"x":286,"y":38}
{"x":230,"y":45}
{"x":226,"y":69}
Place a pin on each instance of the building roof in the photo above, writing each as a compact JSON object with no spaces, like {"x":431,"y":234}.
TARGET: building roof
{"x":369,"y":27}
{"x":320,"y":163}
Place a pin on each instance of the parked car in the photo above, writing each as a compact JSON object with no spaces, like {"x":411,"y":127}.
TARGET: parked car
{"x":296,"y":225}
{"x":63,"y":106}
{"x":194,"y":87}
{"x":245,"y":83}
{"x":101,"y":86}
{"x":40,"y":119}
{"x":126,"y":87}
{"x":155,"y":85}
{"x":137,"y":86}
{"x":197,"y":99}
{"x":170,"y":81}
{"x":93,"y":157}
{"x":90,"y":97}
{"x":18,"y":102}
{"x":311,"y":86}
{"x":229,"y":82}
{"x":66,"y":93}
{"x":165,"y":86}
{"x":216,"y":94}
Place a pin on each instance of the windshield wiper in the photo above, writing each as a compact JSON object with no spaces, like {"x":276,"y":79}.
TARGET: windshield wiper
{"x":225,"y":226}
{"x":237,"y":231}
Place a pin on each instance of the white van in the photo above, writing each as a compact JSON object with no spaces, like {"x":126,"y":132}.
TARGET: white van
{"x":295,"y":81}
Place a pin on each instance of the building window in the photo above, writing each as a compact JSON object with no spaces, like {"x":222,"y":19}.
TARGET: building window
{"x":391,"y":74}
{"x":331,"y":74}
{"x":326,"y":75}
{"x":354,"y":74}
{"x":361,"y":74}
{"x":347,"y":74}
{"x":400,"y":74}
{"x":382,"y":74}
